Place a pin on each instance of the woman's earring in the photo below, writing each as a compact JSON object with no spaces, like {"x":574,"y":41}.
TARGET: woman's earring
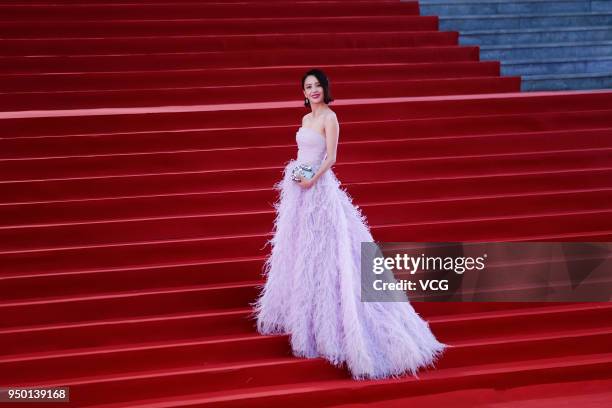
{"x":306,"y":101}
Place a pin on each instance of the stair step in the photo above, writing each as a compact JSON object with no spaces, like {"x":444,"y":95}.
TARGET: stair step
{"x":572,"y":225}
{"x":208,"y":203}
{"x":536,"y":35}
{"x":167,"y":10}
{"x":24,"y":82}
{"x":198,"y":226}
{"x":335,"y":391}
{"x":144,"y":329}
{"x":130,"y":44}
{"x":568,"y":81}
{"x":549,"y":50}
{"x":466,"y":7}
{"x":557,"y":66}
{"x":173,"y":118}
{"x":532,"y":20}
{"x":354,"y":171}
{"x":234,"y":59}
{"x":130,"y":304}
{"x":36,"y":367}
{"x":549,"y":226}
{"x":316,"y":375}
{"x":43,"y":284}
{"x":237,"y":321}
{"x":477,"y":148}
{"x":249,"y":93}
{"x":189,"y":182}
{"x":34,"y":28}
{"x":489,"y":128}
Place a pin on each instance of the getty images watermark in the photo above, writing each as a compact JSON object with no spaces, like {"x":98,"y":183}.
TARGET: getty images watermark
{"x":490,"y":271}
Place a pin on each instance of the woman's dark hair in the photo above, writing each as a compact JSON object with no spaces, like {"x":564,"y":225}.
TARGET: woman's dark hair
{"x":323,"y":80}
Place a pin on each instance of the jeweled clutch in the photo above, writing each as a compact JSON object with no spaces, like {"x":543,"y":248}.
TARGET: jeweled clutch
{"x":302,"y":170}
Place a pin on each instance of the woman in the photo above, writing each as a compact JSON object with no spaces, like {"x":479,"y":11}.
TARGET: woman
{"x":312,"y":290}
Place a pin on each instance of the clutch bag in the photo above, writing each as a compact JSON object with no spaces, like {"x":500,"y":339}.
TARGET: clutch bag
{"x":302,"y":170}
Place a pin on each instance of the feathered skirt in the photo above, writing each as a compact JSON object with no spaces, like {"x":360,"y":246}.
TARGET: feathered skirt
{"x":312,"y":290}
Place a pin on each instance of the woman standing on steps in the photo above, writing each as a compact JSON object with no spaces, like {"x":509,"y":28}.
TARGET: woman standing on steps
{"x":312,"y":290}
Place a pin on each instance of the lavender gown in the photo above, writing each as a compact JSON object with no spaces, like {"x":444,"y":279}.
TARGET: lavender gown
{"x":312,"y":290}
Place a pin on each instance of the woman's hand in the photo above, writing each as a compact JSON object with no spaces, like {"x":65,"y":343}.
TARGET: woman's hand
{"x":305,"y":183}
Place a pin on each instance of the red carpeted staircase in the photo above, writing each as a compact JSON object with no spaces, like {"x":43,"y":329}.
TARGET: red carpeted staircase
{"x":140,"y":142}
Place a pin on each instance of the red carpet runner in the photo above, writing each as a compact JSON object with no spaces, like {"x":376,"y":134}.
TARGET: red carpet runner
{"x":140,"y":142}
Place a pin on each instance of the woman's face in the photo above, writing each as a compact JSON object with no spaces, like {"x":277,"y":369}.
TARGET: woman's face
{"x":313,"y":89}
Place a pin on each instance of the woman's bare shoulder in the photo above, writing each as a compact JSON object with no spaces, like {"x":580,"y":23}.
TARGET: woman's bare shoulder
{"x":331,"y":117}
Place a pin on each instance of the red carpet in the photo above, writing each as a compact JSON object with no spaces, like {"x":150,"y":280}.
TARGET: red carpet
{"x":140,"y":142}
